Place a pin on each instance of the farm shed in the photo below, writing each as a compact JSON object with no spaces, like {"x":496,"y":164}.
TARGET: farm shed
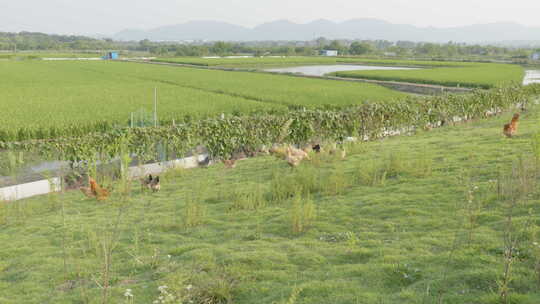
{"x":329,"y":53}
{"x":111,"y":56}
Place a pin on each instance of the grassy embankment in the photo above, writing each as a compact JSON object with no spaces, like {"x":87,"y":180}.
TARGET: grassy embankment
{"x":402,"y":220}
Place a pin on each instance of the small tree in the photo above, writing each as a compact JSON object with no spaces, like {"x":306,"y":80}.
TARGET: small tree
{"x":360,"y":48}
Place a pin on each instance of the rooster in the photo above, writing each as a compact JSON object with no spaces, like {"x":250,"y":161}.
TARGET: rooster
{"x":297,"y":152}
{"x":155,"y":184}
{"x":307,"y":148}
{"x":145,"y":183}
{"x":279,"y":152}
{"x":292,"y":160}
{"x":229,"y":163}
{"x":205,"y":162}
{"x":316,"y":148}
{"x":95,"y":190}
{"x":295,"y":156}
{"x":510,"y":129}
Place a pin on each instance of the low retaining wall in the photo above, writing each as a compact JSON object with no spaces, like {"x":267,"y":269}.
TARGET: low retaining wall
{"x":17,"y":192}
{"x":157,"y":168}
{"x":41,"y":187}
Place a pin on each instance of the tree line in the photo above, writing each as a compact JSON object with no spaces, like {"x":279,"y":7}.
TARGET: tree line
{"x":29,"y":41}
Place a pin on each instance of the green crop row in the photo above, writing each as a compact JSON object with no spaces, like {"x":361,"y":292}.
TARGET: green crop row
{"x":49,"y":99}
{"x":226,"y":135}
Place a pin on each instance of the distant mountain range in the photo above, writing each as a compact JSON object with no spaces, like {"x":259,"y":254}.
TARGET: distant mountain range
{"x":352,"y":29}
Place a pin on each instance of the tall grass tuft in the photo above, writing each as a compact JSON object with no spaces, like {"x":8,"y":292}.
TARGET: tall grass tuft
{"x":194,"y":212}
{"x":285,"y":185}
{"x":294,"y":295}
{"x":303,"y":214}
{"x":515,"y":186}
{"x":422,"y":166}
{"x":249,"y":200}
{"x":371,"y":174}
{"x":337,"y":182}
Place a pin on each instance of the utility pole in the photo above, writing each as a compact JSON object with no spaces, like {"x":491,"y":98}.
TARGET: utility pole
{"x":155,"y":107}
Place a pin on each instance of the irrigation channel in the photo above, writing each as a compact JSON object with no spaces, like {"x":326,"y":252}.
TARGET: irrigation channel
{"x":322,"y":70}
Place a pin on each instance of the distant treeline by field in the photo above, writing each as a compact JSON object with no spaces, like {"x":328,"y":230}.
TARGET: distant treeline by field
{"x":29,"y":41}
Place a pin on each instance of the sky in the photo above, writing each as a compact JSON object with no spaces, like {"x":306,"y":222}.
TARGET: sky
{"x":111,"y":16}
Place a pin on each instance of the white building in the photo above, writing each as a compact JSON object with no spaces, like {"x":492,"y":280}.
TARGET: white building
{"x":535,"y":56}
{"x":329,"y":53}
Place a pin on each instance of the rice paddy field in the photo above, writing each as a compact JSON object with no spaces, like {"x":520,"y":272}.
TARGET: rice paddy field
{"x":476,"y":75}
{"x":39,"y":55}
{"x":44,"y":94}
{"x":448,"y":73}
{"x":450,"y":215}
{"x":445,"y":215}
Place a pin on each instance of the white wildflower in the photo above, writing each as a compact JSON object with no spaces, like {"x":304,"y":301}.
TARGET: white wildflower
{"x":162,"y":288}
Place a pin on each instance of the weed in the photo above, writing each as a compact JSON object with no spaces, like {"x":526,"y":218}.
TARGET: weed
{"x":337,"y":182}
{"x":209,"y":286}
{"x":422,"y":166}
{"x":536,"y":255}
{"x":128,"y":296}
{"x":303,"y":214}
{"x":404,"y":274}
{"x":108,"y":241}
{"x":517,"y":184}
{"x":249,"y":200}
{"x":3,"y":212}
{"x":294,"y":295}
{"x":372,"y":174}
{"x":352,"y":241}
{"x":472,"y":206}
{"x":194,"y":212}
{"x":395,"y":165}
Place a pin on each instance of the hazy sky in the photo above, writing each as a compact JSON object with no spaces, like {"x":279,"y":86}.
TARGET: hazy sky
{"x":109,"y":16}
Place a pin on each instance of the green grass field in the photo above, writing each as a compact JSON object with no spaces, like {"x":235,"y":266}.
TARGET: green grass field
{"x":478,"y":75}
{"x":44,"y":94}
{"x":410,"y":219}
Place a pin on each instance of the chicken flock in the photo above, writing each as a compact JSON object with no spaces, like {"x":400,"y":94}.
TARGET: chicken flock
{"x":293,"y":156}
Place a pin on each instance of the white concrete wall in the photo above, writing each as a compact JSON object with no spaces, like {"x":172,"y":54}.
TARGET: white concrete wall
{"x":17,"y":192}
{"x":157,"y":168}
